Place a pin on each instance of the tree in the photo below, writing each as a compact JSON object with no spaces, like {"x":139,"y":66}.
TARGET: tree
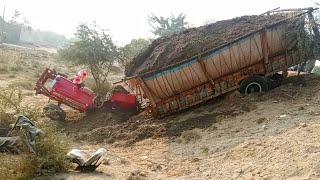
{"x":18,"y":19}
{"x":209,"y":21}
{"x":162,"y":26}
{"x":94,"y":49}
{"x":129,"y":51}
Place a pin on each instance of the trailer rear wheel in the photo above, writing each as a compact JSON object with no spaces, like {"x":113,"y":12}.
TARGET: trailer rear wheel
{"x":54,"y":112}
{"x":253,"y":84}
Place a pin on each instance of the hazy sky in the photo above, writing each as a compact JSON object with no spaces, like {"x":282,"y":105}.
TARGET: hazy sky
{"x":127,"y":19}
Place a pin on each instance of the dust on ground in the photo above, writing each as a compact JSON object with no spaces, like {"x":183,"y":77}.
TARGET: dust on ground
{"x":272,"y":135}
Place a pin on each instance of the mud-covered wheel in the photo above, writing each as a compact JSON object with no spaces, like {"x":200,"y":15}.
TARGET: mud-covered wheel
{"x":253,"y":84}
{"x":98,"y":101}
{"x":54,"y":112}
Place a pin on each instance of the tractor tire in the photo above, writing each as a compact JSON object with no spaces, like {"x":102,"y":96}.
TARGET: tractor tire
{"x":253,"y":84}
{"x":54,"y":112}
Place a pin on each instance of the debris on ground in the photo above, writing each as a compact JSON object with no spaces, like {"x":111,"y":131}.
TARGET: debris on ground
{"x":10,"y":143}
{"x":85,"y":161}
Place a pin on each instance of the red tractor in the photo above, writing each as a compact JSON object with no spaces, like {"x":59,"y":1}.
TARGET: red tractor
{"x":64,"y":91}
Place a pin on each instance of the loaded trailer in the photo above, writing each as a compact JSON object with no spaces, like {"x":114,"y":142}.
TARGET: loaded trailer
{"x":246,"y":64}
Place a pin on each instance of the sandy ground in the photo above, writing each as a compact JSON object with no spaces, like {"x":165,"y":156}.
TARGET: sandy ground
{"x":274,"y":135}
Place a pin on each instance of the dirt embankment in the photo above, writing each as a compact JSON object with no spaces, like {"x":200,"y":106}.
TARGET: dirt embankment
{"x":261,"y":136}
{"x":105,"y":127}
{"x":169,"y":50}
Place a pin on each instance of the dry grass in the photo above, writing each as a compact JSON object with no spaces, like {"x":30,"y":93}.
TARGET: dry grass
{"x":50,"y":158}
{"x":12,"y":76}
{"x":17,"y":166}
{"x":26,"y":85}
{"x":4,"y":70}
{"x":51,"y":148}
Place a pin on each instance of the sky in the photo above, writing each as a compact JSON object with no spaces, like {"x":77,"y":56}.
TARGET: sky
{"x":127,"y":19}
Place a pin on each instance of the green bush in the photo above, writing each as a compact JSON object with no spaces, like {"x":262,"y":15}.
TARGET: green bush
{"x":21,"y":166}
{"x":101,"y":90}
{"x":52,"y":149}
{"x":32,"y":112}
{"x":51,"y":157}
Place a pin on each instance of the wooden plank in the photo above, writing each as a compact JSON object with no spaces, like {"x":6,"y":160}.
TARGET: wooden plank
{"x":146,"y":90}
{"x":265,"y":52}
{"x":202,"y":65}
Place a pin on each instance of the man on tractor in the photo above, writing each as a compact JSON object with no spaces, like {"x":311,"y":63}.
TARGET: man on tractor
{"x":79,"y":78}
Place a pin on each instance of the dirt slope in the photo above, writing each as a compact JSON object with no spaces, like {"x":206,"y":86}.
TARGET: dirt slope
{"x":169,"y":50}
{"x":273,"y":135}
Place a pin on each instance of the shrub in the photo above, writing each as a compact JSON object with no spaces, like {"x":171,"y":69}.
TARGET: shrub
{"x":101,"y":90}
{"x":51,"y":148}
{"x":17,"y":166}
{"x":51,"y":157}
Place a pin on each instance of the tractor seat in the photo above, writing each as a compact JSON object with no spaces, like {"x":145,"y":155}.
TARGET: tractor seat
{"x":85,"y":161}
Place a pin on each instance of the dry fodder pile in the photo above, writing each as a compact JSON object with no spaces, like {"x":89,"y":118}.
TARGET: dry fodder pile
{"x":165,"y":51}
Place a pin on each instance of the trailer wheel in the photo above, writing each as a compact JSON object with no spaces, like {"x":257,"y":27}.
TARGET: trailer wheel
{"x":54,"y":112}
{"x":253,"y":84}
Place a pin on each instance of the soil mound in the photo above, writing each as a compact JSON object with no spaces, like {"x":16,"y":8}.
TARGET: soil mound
{"x":166,"y":51}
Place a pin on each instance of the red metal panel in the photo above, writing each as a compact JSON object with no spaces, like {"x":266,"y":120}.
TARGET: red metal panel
{"x":67,"y":92}
{"x":124,"y":100}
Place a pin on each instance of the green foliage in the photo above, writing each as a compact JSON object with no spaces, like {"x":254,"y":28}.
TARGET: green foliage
{"x":20,"y":167}
{"x":299,"y":39}
{"x":51,"y":151}
{"x":50,"y":158}
{"x":162,"y":26}
{"x":129,"y":51}
{"x":32,"y":112}
{"x":101,"y":90}
{"x":94,"y":49}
